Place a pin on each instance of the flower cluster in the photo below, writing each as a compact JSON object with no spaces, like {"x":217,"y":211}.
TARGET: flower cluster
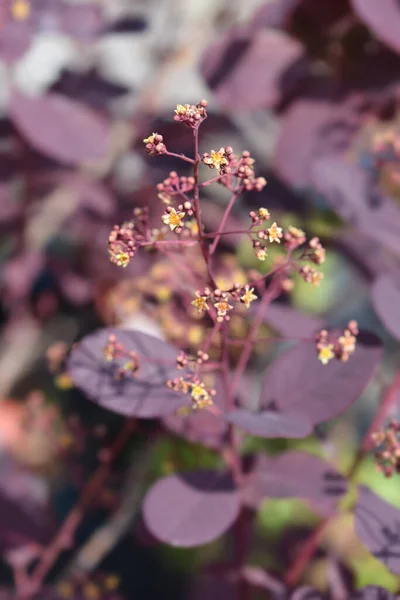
{"x":220,"y":300}
{"x":114,"y":350}
{"x":200,"y":395}
{"x":331,"y":346}
{"x":191,"y":115}
{"x":174,"y":185}
{"x":387,"y":453}
{"x":155,"y":145}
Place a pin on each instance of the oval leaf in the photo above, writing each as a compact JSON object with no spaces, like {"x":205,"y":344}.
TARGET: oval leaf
{"x":59,"y":127}
{"x":271,"y":424}
{"x":297,"y":381}
{"x":377,"y":524}
{"x":385,"y":296}
{"x":296,"y":474}
{"x":191,"y":509}
{"x":145,"y":395}
{"x":383,"y":18}
{"x":291,"y":322}
{"x":247,"y":69}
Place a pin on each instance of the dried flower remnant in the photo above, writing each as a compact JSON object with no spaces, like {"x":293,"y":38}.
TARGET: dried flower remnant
{"x":387,"y":452}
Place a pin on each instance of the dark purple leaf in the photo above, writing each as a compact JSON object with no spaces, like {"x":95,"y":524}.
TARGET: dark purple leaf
{"x":296,"y":474}
{"x":201,"y":426}
{"x":297,"y":381}
{"x":191,"y":509}
{"x":271,"y":424}
{"x":213,"y":588}
{"x":247,"y":69}
{"x":88,"y":87}
{"x":383,"y":18}
{"x":290,"y":322}
{"x":385,"y":294}
{"x":59,"y":127}
{"x":320,"y":125}
{"x":15,"y":39}
{"x":377,"y":524}
{"x":353,"y":194}
{"x":145,"y":395}
{"x":129,"y":24}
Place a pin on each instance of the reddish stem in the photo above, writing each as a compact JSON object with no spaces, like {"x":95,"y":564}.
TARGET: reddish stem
{"x":224,"y":219}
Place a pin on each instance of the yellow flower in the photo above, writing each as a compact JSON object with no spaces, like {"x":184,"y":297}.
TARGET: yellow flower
{"x":275,"y":233}
{"x":200,"y":395}
{"x":112,"y":583}
{"x":248,"y":296}
{"x":193,"y":227}
{"x":347,"y":342}
{"x":326,"y":354}
{"x":173,"y":219}
{"x":261,"y":253}
{"x":181,"y":109}
{"x":21,"y":10}
{"x":316,"y":278}
{"x":150,"y":139}
{"x":263,"y":213}
{"x":216,"y":159}
{"x":223,"y":307}
{"x":296,"y":232}
{"x":200,"y":303}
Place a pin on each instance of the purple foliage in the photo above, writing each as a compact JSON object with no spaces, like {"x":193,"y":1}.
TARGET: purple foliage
{"x":296,"y":474}
{"x":143,"y":395}
{"x":383,"y":20}
{"x":191,"y":509}
{"x":296,"y":382}
{"x":377,"y":524}
{"x":385,"y":295}
{"x":271,"y":424}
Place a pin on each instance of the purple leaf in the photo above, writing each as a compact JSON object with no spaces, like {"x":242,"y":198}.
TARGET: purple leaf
{"x":383,"y":18}
{"x":144,"y":395}
{"x":213,"y":588}
{"x":296,"y":474}
{"x":306,"y":592}
{"x":291,"y":322}
{"x":82,"y":21}
{"x":201,"y":426}
{"x":271,"y":424}
{"x":377,"y":524}
{"x":247,"y":69}
{"x":385,"y":295}
{"x":324,"y":123}
{"x":352,"y":193}
{"x":15,"y":39}
{"x":297,"y":381}
{"x":59,"y":127}
{"x":191,"y":509}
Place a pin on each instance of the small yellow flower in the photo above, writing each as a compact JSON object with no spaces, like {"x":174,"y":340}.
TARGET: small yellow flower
{"x":111,"y":583}
{"x":261,"y":254}
{"x":150,"y":139}
{"x":216,"y":159}
{"x":181,"y":109}
{"x":123,"y":259}
{"x":65,"y":589}
{"x":326,"y":354}
{"x":193,"y":227}
{"x":173,"y":219}
{"x":347,"y":342}
{"x":223,"y":307}
{"x":263,"y":213}
{"x":200,"y":395}
{"x":316,"y":278}
{"x":200,"y":303}
{"x":248,"y":296}
{"x":275,"y":233}
{"x":296,"y":232}
{"x":91,"y":592}
{"x":21,"y":10}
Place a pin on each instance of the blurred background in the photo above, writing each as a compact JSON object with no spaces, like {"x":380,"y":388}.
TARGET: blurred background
{"x":311,"y":89}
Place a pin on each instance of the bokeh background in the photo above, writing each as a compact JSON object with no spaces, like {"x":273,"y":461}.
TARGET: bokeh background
{"x":311,"y":89}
